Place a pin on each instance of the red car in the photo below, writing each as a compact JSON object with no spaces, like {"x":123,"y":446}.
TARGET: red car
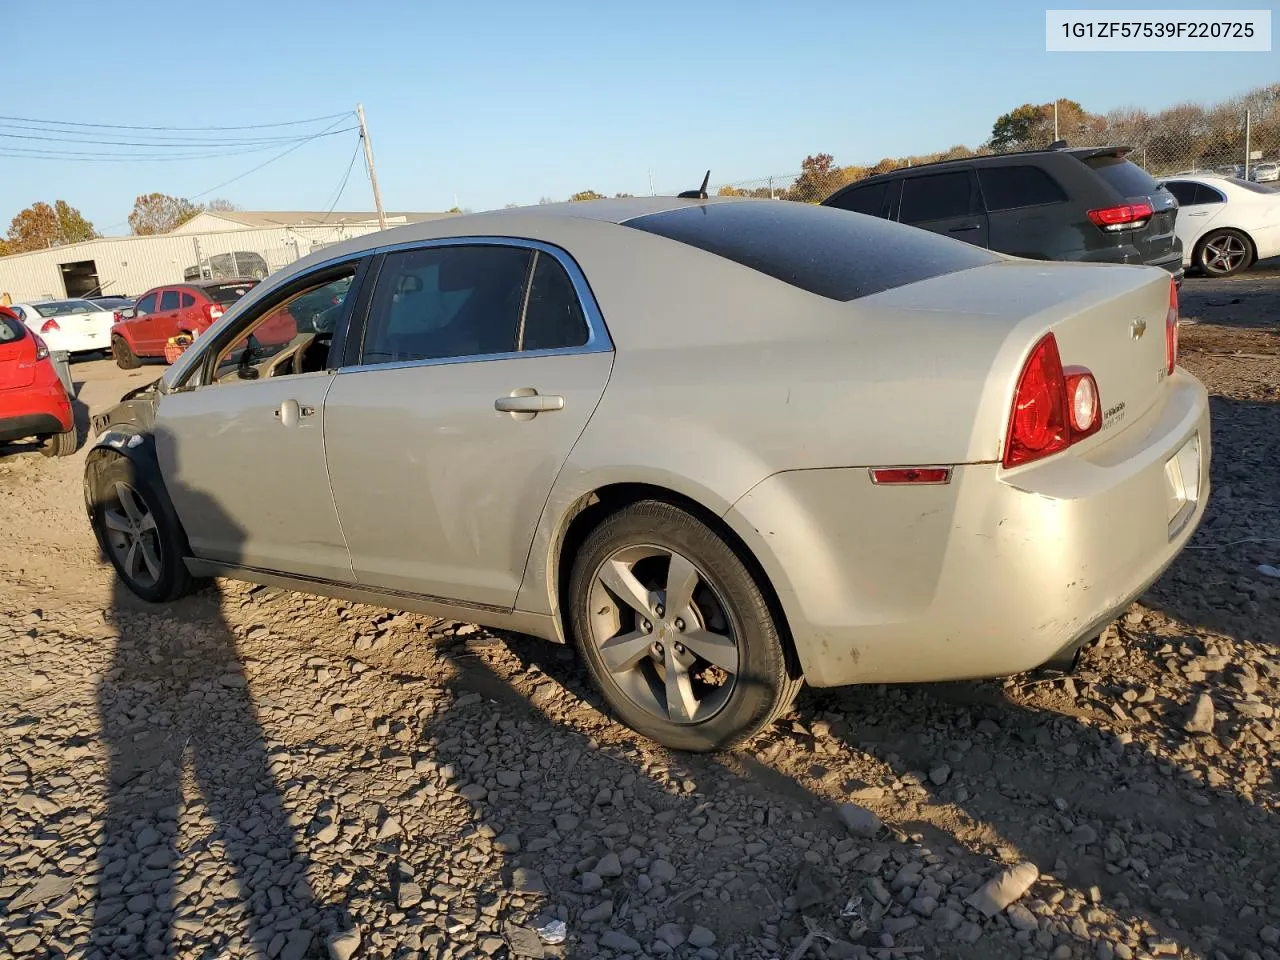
{"x":33,"y":401}
{"x":168,"y":311}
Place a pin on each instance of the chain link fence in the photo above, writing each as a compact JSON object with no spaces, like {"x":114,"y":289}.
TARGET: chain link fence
{"x":1239,"y":139}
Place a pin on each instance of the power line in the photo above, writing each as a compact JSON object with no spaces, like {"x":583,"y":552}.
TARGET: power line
{"x":346,"y":176}
{"x":123,"y":126}
{"x":283,"y":153}
{"x":189,"y":144}
{"x":89,"y":156}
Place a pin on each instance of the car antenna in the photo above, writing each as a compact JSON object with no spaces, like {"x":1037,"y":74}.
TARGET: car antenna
{"x":700,"y":193}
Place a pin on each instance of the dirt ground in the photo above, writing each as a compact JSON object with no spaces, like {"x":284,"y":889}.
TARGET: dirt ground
{"x":251,"y":772}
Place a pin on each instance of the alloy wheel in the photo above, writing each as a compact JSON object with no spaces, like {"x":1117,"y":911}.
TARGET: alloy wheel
{"x":1224,"y":253}
{"x":132,"y":535}
{"x":663,"y":633}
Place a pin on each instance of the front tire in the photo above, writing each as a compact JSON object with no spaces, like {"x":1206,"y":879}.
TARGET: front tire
{"x":61,"y":444}
{"x":126,"y":359}
{"x":1223,"y":253}
{"x":139,"y":533}
{"x":677,"y":634}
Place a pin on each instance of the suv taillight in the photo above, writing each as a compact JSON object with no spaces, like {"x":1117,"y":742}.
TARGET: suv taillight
{"x":1053,"y":407}
{"x":213,"y":311}
{"x":1171,"y":329}
{"x":1124,"y":216}
{"x":50,"y":326}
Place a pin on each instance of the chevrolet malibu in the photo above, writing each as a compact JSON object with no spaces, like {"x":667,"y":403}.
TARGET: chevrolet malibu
{"x":722,"y":446}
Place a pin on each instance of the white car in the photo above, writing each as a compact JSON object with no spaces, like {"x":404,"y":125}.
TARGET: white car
{"x":1266,"y":172}
{"x":1225,"y":223}
{"x":76,"y":326}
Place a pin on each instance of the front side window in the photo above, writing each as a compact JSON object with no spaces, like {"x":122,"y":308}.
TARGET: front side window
{"x":1008,"y":188}
{"x":287,"y":337}
{"x":938,"y":196}
{"x":169,"y":300}
{"x":146,"y":305}
{"x":446,"y":302}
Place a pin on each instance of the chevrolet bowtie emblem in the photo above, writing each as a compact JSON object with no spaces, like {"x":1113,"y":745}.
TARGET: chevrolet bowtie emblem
{"x":1137,"y":329}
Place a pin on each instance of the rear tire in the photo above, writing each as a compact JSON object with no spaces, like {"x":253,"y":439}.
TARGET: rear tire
{"x":139,"y":532}
{"x":648,"y":661}
{"x":126,"y":359}
{"x":1224,"y":253}
{"x":61,"y":444}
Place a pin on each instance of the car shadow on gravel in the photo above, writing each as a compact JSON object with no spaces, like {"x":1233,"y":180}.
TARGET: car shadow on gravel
{"x":1091,"y":807}
{"x":185,"y":745}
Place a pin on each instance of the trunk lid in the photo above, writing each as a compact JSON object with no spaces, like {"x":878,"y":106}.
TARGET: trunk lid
{"x":1155,"y":240}
{"x":1108,"y":318}
{"x":17,"y":354}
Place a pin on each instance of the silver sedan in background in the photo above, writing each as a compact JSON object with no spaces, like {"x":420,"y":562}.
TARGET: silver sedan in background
{"x":723,"y":447}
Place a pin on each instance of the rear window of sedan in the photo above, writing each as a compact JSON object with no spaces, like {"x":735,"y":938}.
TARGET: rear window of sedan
{"x":832,"y":253}
{"x":228,"y":292}
{"x":64,"y":308}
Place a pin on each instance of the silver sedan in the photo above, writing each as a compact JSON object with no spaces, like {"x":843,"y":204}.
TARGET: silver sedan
{"x":723,"y":447}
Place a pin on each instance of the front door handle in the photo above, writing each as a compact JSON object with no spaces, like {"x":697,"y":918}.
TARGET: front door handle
{"x":964,"y":227}
{"x":290,"y":412}
{"x":526,"y":403}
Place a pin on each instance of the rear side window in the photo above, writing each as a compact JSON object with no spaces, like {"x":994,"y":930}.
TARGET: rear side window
{"x":1183,"y":192}
{"x":10,"y":329}
{"x":227,"y":292}
{"x":1125,"y":177}
{"x":870,"y":199}
{"x":553,"y":317}
{"x":936,"y":197}
{"x":815,"y":248}
{"x":188,"y":300}
{"x":169,"y":300}
{"x":1007,"y":188}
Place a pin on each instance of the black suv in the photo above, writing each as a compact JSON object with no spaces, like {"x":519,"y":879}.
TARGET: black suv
{"x":1087,"y":204}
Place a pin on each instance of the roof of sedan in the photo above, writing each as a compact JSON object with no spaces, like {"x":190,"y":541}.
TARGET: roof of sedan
{"x":608,"y":210}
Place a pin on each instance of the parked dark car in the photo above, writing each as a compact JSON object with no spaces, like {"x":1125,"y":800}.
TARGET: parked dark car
{"x":1086,"y":204}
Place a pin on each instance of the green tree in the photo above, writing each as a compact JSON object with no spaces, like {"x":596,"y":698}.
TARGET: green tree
{"x":159,"y":213}
{"x":1030,"y":126}
{"x":587,"y":195}
{"x":40,"y":226}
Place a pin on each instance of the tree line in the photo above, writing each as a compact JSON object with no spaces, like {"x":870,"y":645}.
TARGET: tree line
{"x":41,"y":226}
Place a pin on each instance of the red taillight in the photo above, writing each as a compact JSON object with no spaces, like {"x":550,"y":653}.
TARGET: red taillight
{"x":1171,"y":330}
{"x":42,"y":348}
{"x":213,"y":311}
{"x":1038,"y":422}
{"x":1125,"y":216}
{"x":50,"y":326}
{"x":116,"y":318}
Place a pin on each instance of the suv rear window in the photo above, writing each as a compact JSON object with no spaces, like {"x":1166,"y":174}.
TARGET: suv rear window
{"x":1126,"y":177}
{"x":228,"y":292}
{"x":818,"y":249}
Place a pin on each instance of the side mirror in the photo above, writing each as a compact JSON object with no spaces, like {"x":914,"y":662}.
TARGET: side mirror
{"x":128,"y":313}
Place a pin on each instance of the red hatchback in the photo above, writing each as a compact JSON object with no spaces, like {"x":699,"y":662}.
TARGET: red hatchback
{"x":33,"y":401}
{"x":168,"y":311}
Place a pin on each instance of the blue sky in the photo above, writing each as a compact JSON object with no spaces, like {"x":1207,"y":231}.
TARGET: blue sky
{"x":497,"y":102}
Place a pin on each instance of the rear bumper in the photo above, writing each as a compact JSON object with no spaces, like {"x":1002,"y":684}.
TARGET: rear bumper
{"x":30,"y":425}
{"x":39,"y":409}
{"x":1127,"y":254}
{"x":994,"y":573}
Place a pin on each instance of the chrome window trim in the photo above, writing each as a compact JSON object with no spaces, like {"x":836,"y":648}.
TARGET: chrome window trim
{"x":598,"y":339}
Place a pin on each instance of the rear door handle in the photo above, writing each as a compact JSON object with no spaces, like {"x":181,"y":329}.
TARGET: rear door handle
{"x":526,"y":400}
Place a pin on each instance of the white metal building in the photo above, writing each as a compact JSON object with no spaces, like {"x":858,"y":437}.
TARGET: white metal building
{"x":210,"y":245}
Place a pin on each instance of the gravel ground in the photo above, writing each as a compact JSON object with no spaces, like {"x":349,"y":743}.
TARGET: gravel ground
{"x":255,"y":772}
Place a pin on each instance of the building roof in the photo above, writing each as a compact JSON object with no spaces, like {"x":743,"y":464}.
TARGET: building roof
{"x":314,"y":218}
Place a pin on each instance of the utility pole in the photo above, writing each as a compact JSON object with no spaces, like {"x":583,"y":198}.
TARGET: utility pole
{"x":1248,"y":147}
{"x":368,"y":159}
{"x":1055,"y":120}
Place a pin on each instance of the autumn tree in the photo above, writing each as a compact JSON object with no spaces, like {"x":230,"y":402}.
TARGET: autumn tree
{"x":818,"y":178}
{"x":587,"y":195}
{"x":159,"y":213}
{"x":40,"y":226}
{"x":221,"y":205}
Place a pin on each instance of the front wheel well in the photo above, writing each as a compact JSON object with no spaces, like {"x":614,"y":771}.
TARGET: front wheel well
{"x":593,"y":508}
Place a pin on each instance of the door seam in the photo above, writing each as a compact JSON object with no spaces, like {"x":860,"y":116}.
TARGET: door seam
{"x":328,"y":476}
